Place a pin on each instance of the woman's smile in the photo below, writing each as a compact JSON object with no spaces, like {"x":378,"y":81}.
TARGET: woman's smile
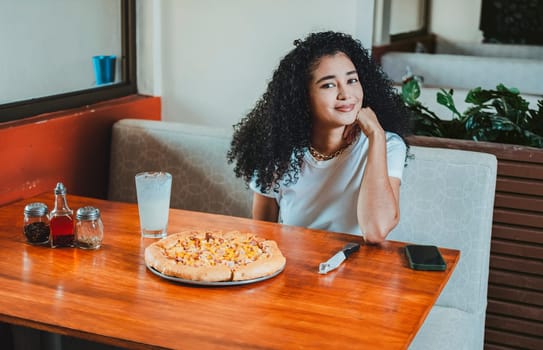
{"x":345,"y":107}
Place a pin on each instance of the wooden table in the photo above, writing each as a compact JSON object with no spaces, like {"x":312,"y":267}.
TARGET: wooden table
{"x":373,"y":300}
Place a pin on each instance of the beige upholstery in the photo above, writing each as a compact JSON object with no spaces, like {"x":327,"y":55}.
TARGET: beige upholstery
{"x":194,"y":155}
{"x":446,"y":199}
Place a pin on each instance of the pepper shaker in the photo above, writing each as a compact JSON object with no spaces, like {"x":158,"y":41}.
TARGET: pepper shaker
{"x":36,"y":223}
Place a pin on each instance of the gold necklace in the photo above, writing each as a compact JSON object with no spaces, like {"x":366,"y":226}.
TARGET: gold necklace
{"x":320,"y":156}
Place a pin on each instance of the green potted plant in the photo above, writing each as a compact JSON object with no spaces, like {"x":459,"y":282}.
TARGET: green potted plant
{"x":500,"y":115}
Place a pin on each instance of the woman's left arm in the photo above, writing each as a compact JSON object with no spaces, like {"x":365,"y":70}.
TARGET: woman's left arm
{"x":378,"y":208}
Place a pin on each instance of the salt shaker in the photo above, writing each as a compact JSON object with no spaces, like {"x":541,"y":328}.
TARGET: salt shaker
{"x":89,"y":229}
{"x":36,"y":223}
{"x":61,"y":220}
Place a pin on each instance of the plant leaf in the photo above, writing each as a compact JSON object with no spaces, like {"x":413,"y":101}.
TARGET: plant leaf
{"x":410,"y":91}
{"x":474,"y":96}
{"x":445,"y":98}
{"x":503,"y":88}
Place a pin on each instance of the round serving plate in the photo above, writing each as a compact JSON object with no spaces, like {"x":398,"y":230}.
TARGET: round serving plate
{"x":212,"y":284}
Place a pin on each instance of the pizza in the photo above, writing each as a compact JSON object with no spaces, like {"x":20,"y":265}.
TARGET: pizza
{"x":214,"y":256}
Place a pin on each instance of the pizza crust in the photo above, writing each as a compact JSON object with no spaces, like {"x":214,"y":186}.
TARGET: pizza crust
{"x":262,"y":267}
{"x":155,"y":258}
{"x":167,"y":256}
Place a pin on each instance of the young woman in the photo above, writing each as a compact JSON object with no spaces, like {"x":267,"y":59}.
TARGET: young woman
{"x":323,"y":147}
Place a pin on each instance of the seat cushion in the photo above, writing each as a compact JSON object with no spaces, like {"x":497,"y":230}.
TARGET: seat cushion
{"x":450,"y":328}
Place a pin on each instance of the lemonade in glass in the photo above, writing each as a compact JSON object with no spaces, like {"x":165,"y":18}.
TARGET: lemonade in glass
{"x":153,"y":191}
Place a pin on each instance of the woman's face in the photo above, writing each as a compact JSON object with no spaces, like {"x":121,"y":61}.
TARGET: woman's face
{"x":335,"y":92}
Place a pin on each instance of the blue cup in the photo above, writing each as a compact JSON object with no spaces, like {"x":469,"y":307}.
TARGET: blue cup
{"x":104,"y":69}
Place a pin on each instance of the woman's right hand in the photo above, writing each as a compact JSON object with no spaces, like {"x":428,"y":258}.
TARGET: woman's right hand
{"x":368,"y":122}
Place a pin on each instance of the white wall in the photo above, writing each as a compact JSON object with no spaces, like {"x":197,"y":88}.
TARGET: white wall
{"x":406,"y":16}
{"x":457,"y":20}
{"x":210,"y":60}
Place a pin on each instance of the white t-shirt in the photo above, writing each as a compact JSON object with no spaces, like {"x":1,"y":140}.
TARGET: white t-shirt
{"x":325,"y":195}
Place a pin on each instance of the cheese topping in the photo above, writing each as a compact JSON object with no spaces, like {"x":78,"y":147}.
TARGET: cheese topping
{"x":215,"y":249}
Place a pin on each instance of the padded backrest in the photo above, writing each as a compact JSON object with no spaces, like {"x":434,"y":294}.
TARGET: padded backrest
{"x":447,"y":199}
{"x":466,"y":72}
{"x":444,"y":46}
{"x":202,"y":180}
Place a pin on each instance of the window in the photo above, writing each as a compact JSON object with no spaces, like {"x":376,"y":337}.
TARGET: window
{"x":47,"y":54}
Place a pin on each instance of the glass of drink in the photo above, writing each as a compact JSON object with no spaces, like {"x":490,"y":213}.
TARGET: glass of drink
{"x":153,"y":191}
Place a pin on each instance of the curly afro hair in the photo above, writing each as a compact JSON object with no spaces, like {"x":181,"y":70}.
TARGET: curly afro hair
{"x":270,"y":141}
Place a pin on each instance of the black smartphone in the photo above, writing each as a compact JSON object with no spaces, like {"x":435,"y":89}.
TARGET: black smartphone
{"x":425,"y":257}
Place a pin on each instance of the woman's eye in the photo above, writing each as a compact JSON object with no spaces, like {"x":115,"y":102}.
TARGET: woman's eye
{"x":352,"y":81}
{"x":327,"y":86}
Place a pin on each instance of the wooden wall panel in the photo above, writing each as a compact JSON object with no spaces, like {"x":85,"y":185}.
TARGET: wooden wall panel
{"x":519,"y":185}
{"x":524,"y":250}
{"x":517,"y":280}
{"x":508,"y":324}
{"x":522,"y":219}
{"x":522,"y":169}
{"x":516,"y":264}
{"x":516,"y":295}
{"x":71,"y":146}
{"x":510,"y":340}
{"x":518,"y":201}
{"x":516,"y":233}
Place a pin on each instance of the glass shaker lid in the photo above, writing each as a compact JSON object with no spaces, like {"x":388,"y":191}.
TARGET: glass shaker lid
{"x":87,"y":213}
{"x":36,"y":209}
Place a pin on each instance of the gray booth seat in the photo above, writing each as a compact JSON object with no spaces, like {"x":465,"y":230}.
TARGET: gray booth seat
{"x":447,"y":199}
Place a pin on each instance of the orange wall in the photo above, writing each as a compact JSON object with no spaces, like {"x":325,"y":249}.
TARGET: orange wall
{"x":70,"y":146}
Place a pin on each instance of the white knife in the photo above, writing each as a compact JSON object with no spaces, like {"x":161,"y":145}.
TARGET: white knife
{"x":338,"y":258}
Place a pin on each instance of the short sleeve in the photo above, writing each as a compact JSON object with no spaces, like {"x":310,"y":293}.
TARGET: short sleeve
{"x":396,"y":153}
{"x":253,"y":186}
